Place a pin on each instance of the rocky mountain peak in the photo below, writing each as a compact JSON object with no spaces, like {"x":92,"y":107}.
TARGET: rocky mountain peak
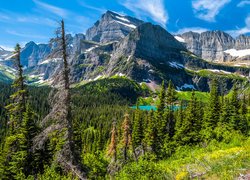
{"x":1,"y":49}
{"x":112,"y":27}
{"x":32,"y":53}
{"x":214,"y":45}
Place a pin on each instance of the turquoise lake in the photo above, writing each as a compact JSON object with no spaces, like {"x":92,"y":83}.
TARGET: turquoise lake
{"x":148,"y":108}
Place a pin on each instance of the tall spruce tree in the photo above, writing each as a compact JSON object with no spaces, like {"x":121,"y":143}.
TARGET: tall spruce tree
{"x":243,"y":125}
{"x":159,"y":116}
{"x":188,"y":132}
{"x":150,"y":133}
{"x":112,"y":149}
{"x":234,"y":108}
{"x":126,"y":136}
{"x":137,"y":134}
{"x":171,"y":99}
{"x":14,"y":155}
{"x":212,"y":113}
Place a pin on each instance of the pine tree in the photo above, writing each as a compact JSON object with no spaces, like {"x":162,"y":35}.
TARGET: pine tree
{"x":224,"y":128}
{"x":15,"y":150}
{"x":159,"y":116}
{"x":112,"y":151}
{"x":189,"y":131}
{"x":180,"y":117}
{"x":235,"y":106}
{"x":150,"y":133}
{"x":137,"y":134}
{"x":162,"y":103}
{"x":243,"y":124}
{"x":126,"y":136}
{"x":212,"y":113}
{"x":17,"y":108}
{"x":30,"y":130}
{"x":171,"y":99}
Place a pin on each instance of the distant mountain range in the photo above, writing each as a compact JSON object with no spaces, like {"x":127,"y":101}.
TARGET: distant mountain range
{"x":118,"y":45}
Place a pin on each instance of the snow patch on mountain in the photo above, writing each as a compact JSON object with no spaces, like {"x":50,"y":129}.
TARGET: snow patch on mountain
{"x":92,"y":48}
{"x":128,"y":25}
{"x":185,"y":86}
{"x":47,"y":61}
{"x":176,"y":65}
{"x":238,"y":53}
{"x":122,"y":19}
{"x":219,"y":71}
{"x":9,"y":57}
{"x":180,"y":39}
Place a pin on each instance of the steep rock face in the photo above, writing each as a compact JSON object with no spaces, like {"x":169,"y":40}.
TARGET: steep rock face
{"x":4,"y":54}
{"x":148,"y":54}
{"x":242,"y":42}
{"x":112,"y":27}
{"x":209,"y":45}
{"x":32,"y":53}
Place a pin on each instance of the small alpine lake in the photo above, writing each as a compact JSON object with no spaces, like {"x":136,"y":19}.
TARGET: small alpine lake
{"x":150,"y":107}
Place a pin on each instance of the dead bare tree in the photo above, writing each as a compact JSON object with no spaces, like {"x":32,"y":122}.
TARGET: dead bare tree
{"x":60,"y":119}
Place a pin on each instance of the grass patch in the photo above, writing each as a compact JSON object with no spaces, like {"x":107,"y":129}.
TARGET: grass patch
{"x":186,"y":95}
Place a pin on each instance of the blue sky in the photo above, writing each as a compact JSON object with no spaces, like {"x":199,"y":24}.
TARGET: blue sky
{"x":25,"y":20}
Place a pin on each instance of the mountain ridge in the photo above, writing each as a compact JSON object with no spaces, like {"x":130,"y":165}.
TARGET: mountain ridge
{"x":145,"y":52}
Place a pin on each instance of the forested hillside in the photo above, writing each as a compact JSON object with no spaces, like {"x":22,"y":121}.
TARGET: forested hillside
{"x":200,"y":139}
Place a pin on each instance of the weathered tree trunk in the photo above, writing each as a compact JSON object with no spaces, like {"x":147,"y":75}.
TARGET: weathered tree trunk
{"x":60,"y":118}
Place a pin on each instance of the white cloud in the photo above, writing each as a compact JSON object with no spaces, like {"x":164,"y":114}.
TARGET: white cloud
{"x":83,"y":4}
{"x":29,"y":35}
{"x":7,"y":48}
{"x":243,"y":30}
{"x":151,"y":8}
{"x":243,"y":3}
{"x":4,"y":17}
{"x":52,"y":9}
{"x":207,"y":10}
{"x":193,"y":29}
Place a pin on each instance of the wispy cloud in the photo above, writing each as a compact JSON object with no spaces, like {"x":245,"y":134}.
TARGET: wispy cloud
{"x":238,"y":31}
{"x":193,"y":29}
{"x":6,"y":47}
{"x":36,"y":20}
{"x":243,"y":3}
{"x":26,"y":35}
{"x":4,"y":17}
{"x":207,"y":10}
{"x":83,"y":4}
{"x":12,"y":17}
{"x":151,"y":8}
{"x":52,"y":9}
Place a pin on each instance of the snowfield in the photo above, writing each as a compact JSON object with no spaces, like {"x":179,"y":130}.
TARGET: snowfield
{"x":90,"y":49}
{"x":122,"y":18}
{"x":219,"y":71}
{"x":47,"y":61}
{"x":128,"y":25}
{"x":180,"y":39}
{"x":238,"y":53}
